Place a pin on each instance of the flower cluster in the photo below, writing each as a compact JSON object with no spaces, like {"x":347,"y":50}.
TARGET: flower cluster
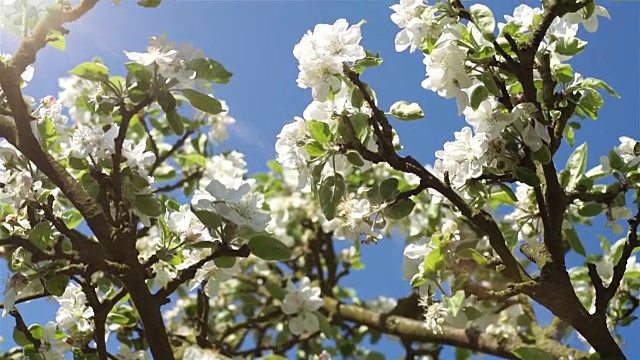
{"x":321,"y":54}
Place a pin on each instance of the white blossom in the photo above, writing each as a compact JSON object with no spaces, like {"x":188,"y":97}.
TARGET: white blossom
{"x":186,"y":225}
{"x":446,"y":73}
{"x":240,"y":206}
{"x":213,"y":275}
{"x":74,"y":312}
{"x":463,"y":158}
{"x":321,"y":53}
{"x":302,"y":301}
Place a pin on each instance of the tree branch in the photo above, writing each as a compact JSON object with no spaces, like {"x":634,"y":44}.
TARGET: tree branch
{"x":415,"y":330}
{"x":190,"y":272}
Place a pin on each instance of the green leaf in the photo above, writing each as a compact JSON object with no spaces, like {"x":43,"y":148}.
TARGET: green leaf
{"x":490,"y":83}
{"x":148,"y":205}
{"x":118,"y":319}
{"x":357,"y":99}
{"x":531,"y":353}
{"x":472,"y":254}
{"x":472,"y":313}
{"x":460,"y":281}
{"x":543,"y":155}
{"x":570,"y":135}
{"x":594,"y":83}
{"x":276,"y":290}
{"x":354,"y":158}
{"x":590,"y":209}
{"x":269,"y":248}
{"x":210,"y":219}
{"x":37,"y":331}
{"x":483,"y":18}
{"x":399,"y":209}
{"x":433,"y":261}
{"x":325,"y":326}
{"x":330,"y":193}
{"x":78,"y":164}
{"x":527,"y":176}
{"x":570,"y":46}
{"x":139,"y":71}
{"x":149,"y":3}
{"x":615,"y":161}
{"x":55,"y":284}
{"x":91,"y":71}
{"x":319,"y":131}
{"x":576,"y":165}
{"x":454,"y":303}
{"x":194,"y":159}
{"x":225,"y":261}
{"x":388,"y":189}
{"x":563,"y":73}
{"x":19,"y":337}
{"x":370,"y":60}
{"x":478,"y":95}
{"x":417,"y":280}
{"x":211,"y":70}
{"x":574,"y":241}
{"x":507,"y":190}
{"x":175,"y":122}
{"x":403,"y":110}
{"x":202,"y":101}
{"x":56,"y":39}
{"x":462,"y":353}
{"x":40,"y":235}
{"x":315,"y":149}
{"x":374,"y":355}
{"x":167,"y":101}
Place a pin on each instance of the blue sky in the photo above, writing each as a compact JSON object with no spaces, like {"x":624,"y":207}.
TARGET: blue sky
{"x":255,"y":39}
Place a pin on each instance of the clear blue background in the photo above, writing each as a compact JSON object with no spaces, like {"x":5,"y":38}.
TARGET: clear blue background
{"x":255,"y":39}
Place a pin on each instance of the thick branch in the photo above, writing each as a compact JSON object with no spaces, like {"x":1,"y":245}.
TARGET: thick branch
{"x":415,"y":330}
{"x":53,"y":20}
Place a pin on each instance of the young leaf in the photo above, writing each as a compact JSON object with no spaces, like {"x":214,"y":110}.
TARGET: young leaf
{"x":91,"y":71}
{"x":404,"y":110}
{"x":527,"y":176}
{"x":166,"y":101}
{"x":210,"y":219}
{"x":202,"y":101}
{"x":225,"y":261}
{"x":40,"y":235}
{"x":615,"y":161}
{"x":354,"y":158}
{"x":325,"y":326}
{"x":400,"y":209}
{"x":478,"y":95}
{"x":319,"y":131}
{"x":590,"y":209}
{"x":19,"y":337}
{"x":56,"y":284}
{"x":388,"y":188}
{"x":574,"y":241}
{"x":269,"y":248}
{"x":175,"y":122}
{"x":576,"y":165}
{"x":331,"y":192}
{"x":148,"y":205}
{"x":211,"y":70}
{"x":454,"y":303}
{"x":149,"y":3}
{"x":483,"y":18}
